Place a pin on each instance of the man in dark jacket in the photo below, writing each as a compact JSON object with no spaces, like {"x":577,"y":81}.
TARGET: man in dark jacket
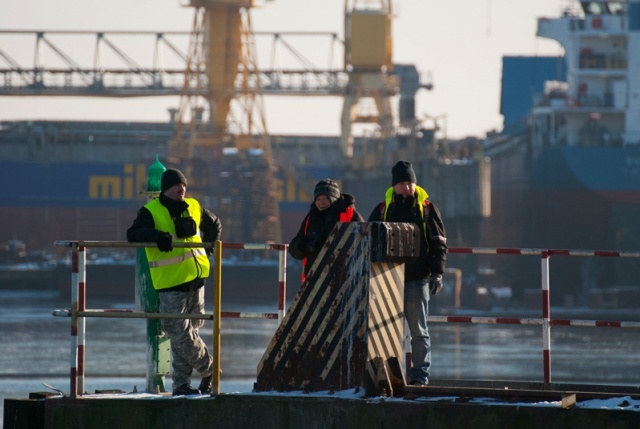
{"x":407,"y":202}
{"x":179,"y":274}
{"x":329,"y":207}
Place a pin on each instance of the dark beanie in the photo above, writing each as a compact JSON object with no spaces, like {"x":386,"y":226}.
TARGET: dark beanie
{"x":402,"y":172}
{"x":327,"y":187}
{"x":171,"y":177}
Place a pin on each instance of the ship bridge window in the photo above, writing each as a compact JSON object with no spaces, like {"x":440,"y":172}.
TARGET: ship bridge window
{"x":594,"y":7}
{"x":615,"y":7}
{"x":602,"y":7}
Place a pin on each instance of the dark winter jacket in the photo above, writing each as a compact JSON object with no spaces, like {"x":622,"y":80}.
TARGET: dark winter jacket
{"x":433,"y":244}
{"x":316,"y":226}
{"x":143,"y":229}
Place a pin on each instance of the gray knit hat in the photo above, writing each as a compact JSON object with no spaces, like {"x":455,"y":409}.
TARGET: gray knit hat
{"x":327,"y":187}
{"x":171,"y":177}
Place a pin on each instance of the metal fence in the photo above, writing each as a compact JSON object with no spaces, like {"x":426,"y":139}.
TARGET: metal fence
{"x":78,"y":311}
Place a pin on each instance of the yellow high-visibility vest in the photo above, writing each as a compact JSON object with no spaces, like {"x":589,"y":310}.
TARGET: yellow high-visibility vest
{"x":169,"y":269}
{"x":421,"y":201}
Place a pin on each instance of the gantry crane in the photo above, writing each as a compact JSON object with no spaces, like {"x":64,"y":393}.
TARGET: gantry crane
{"x":220,"y":120}
{"x":222,"y":46}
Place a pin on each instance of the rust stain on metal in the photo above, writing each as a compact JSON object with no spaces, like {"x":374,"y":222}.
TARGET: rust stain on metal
{"x":335,"y":325}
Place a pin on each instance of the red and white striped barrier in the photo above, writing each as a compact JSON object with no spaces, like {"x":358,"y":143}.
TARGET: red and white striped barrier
{"x":546,"y":320}
{"x":595,"y":323}
{"x":73,"y":358}
{"x":79,"y":312}
{"x":540,"y":252}
{"x":282,"y":271}
{"x":533,"y":321}
{"x":132,"y":314}
{"x":78,"y":303}
{"x":546,"y":311}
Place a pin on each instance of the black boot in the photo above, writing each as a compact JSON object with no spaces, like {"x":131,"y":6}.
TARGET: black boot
{"x":205,"y":384}
{"x":185,"y":389}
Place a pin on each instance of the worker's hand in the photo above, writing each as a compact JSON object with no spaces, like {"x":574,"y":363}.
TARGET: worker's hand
{"x":308,"y":243}
{"x":435,"y":283}
{"x":311,"y":244}
{"x":164,"y":242}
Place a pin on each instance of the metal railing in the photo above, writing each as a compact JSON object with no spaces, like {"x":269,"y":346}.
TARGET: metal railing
{"x":545,"y":321}
{"x":79,"y":312}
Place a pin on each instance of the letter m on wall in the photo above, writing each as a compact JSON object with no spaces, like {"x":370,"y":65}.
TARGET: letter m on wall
{"x":105,"y":187}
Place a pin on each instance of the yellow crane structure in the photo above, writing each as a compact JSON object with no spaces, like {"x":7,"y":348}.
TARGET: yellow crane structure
{"x":368,"y":61}
{"x":227,"y":123}
{"x":228,"y":120}
{"x":218,"y":131}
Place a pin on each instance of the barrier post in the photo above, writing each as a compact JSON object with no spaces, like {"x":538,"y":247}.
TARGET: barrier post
{"x":78,"y":304}
{"x":73,"y":358}
{"x":546,"y":325}
{"x":217,"y":314}
{"x":282,"y":282}
{"x":82,"y":322}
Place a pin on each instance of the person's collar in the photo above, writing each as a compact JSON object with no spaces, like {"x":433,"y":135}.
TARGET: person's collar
{"x":173,"y":204}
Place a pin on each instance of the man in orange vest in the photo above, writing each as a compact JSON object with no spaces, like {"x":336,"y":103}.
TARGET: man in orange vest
{"x":329,"y":207}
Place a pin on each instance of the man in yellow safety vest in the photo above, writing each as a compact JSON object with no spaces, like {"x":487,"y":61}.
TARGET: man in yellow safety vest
{"x":405,"y":201}
{"x":178,"y":274}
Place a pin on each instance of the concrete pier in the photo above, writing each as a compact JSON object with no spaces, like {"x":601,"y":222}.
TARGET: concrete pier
{"x":311,"y":411}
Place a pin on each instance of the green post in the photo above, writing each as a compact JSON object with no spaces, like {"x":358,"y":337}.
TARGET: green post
{"x":147,"y":300}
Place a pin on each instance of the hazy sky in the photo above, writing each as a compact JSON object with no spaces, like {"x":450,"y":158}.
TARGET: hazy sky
{"x":460,"y":43}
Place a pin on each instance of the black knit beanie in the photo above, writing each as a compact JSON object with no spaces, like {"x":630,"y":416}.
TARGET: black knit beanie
{"x":171,"y":177}
{"x":327,"y":187}
{"x":402,"y":172}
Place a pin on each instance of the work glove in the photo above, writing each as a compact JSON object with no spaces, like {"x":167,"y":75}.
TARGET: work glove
{"x":435,"y":283}
{"x":164,"y":242}
{"x":308,"y":243}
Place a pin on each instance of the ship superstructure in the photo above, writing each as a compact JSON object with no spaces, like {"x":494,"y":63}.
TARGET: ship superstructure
{"x":598,"y":105}
{"x":571,"y":178}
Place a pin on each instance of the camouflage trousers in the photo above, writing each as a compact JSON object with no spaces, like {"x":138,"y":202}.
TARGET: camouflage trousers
{"x":188,"y":351}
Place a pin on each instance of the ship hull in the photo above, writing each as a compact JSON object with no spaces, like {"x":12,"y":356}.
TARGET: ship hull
{"x":565,"y":198}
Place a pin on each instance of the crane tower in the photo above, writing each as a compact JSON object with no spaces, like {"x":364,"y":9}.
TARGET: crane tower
{"x":229,"y":119}
{"x":368,"y":61}
{"x":227,"y":124}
